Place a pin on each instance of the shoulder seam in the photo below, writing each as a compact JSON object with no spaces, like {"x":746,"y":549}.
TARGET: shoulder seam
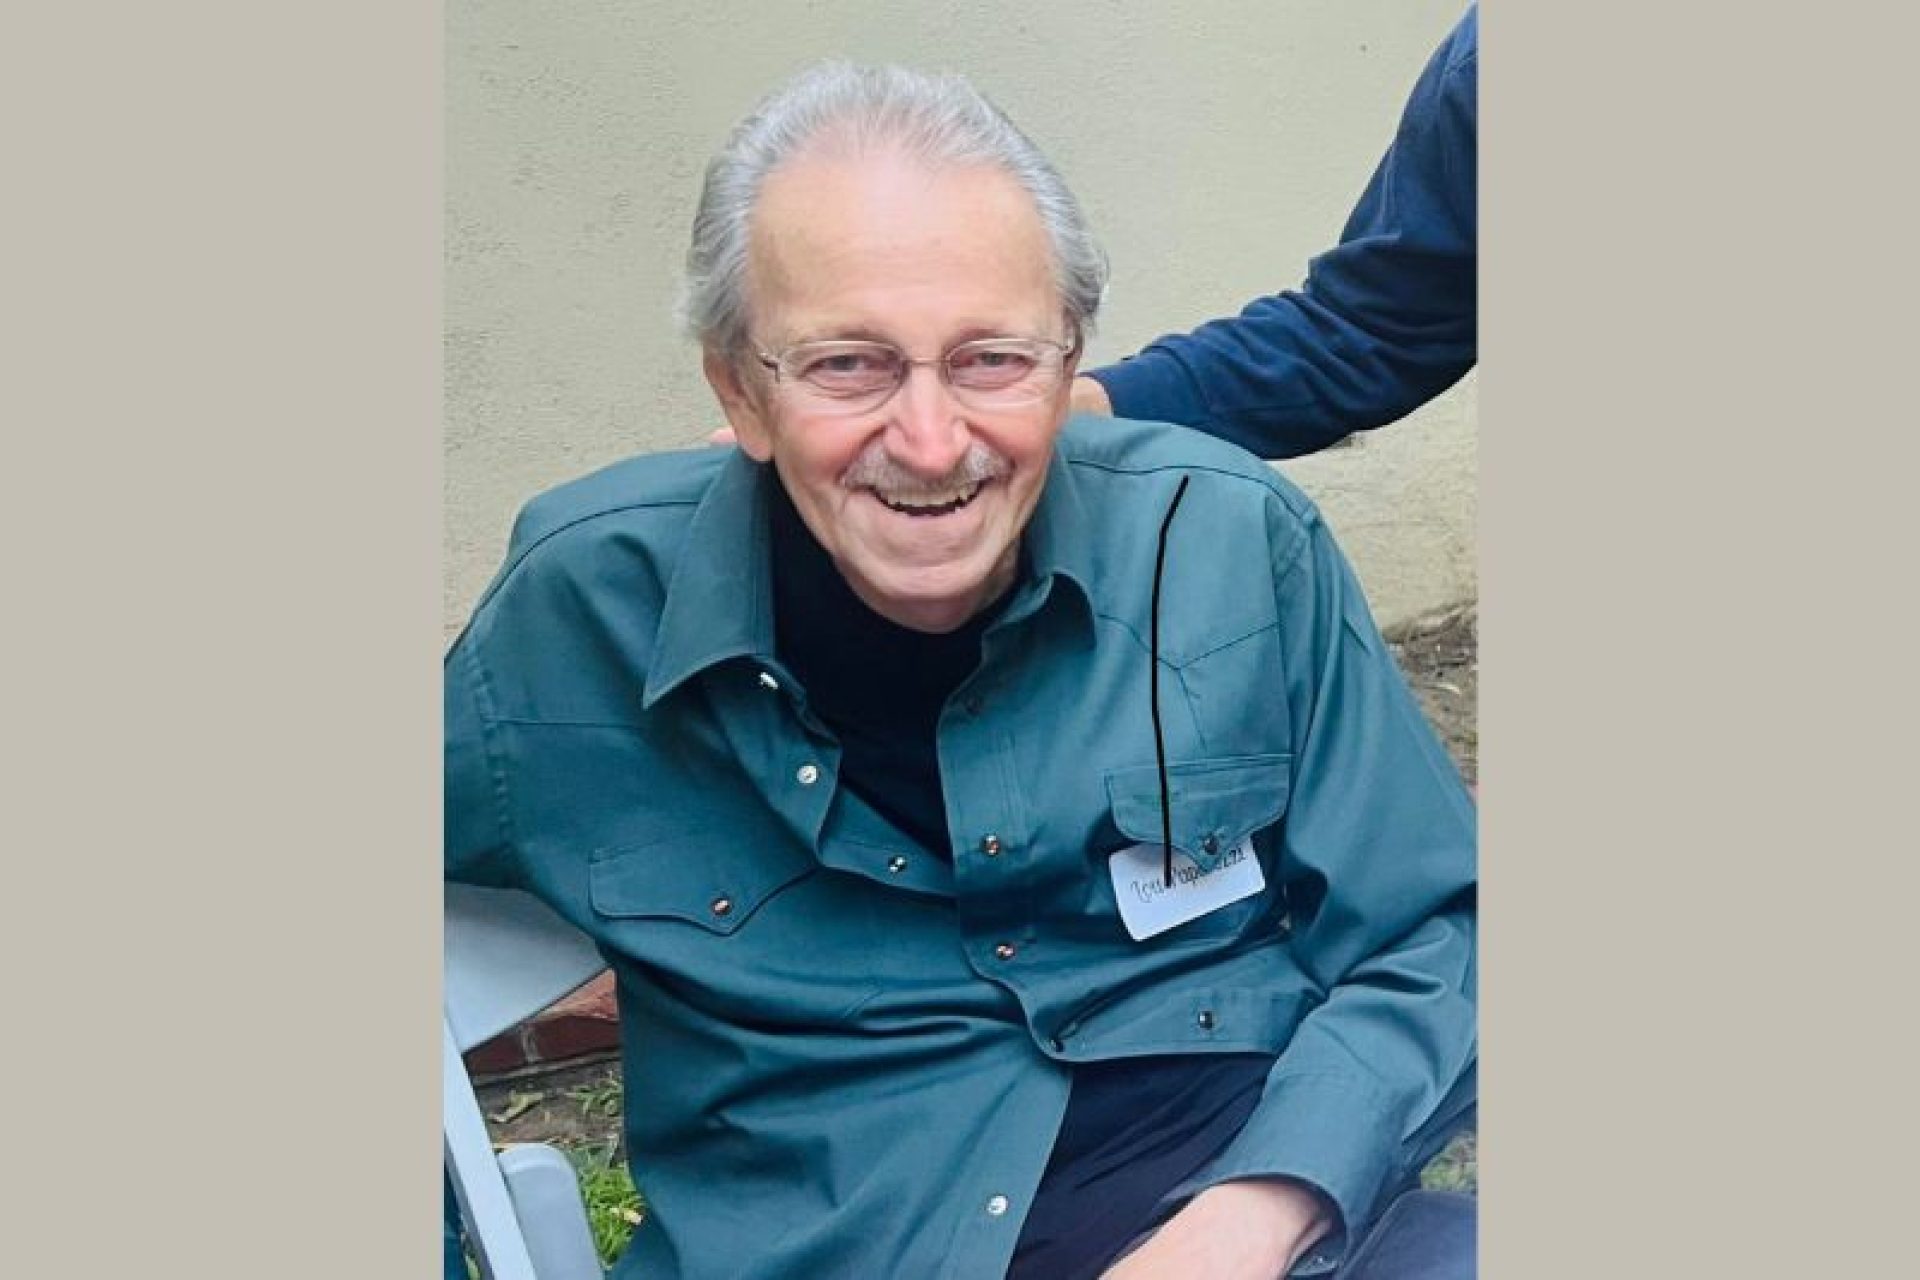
{"x":1309,"y":513}
{"x":513,"y":566}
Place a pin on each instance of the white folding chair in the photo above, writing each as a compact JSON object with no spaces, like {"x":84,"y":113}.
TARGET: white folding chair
{"x":506,"y":957}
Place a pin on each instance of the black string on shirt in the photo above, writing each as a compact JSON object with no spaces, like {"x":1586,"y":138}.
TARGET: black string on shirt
{"x":1153,"y":667}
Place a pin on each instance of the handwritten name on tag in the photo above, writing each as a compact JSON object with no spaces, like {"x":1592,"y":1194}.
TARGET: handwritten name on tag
{"x":1149,"y":906}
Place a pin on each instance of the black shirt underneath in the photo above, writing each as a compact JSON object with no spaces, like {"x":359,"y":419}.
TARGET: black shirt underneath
{"x":1134,"y":1127}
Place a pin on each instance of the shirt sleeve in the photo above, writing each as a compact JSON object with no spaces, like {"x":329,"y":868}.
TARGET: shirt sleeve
{"x":475,"y":829}
{"x":1377,"y":861}
{"x":1385,"y":321}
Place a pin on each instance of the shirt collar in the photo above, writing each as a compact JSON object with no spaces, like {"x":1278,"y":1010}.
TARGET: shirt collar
{"x":1060,"y":543}
{"x":719,"y":603}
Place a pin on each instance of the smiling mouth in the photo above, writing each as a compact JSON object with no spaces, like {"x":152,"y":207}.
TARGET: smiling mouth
{"x":938,"y":504}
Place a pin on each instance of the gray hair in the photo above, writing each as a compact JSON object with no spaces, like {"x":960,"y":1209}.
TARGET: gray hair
{"x":936,"y":119}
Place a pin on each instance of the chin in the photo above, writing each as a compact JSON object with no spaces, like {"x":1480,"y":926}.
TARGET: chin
{"x":930,"y":599}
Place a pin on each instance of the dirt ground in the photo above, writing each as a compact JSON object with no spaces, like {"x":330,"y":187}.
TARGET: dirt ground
{"x":579,"y":1103}
{"x":570,"y":1105}
{"x":1440,"y":656}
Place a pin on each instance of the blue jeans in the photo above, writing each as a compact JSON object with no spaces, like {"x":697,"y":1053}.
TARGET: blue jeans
{"x":1423,"y":1235}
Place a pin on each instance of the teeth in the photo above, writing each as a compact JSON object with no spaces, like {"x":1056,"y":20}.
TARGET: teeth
{"x":931,"y":504}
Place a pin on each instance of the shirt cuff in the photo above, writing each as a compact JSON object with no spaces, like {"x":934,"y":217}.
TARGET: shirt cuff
{"x":1152,"y":386}
{"x":1330,"y":1132}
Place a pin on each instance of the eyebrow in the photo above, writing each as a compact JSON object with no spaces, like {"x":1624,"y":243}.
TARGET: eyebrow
{"x":866,"y":333}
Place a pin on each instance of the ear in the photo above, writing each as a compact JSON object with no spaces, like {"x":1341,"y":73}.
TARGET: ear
{"x":746,"y":412}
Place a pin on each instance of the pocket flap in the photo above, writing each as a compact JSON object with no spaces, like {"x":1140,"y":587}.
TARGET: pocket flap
{"x":667,"y":878}
{"x":1214,"y":803}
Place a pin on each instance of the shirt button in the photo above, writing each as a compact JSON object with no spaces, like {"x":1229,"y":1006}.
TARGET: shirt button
{"x":990,"y":845}
{"x":896,"y":864}
{"x":1205,"y":1019}
{"x":807,"y":774}
{"x":767,"y":681}
{"x":996,"y":1205}
{"x":973,"y":705}
{"x":721,"y":906}
{"x":1211,"y":844}
{"x":1005,"y":951}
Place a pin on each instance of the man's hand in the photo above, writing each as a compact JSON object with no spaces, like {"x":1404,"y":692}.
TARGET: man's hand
{"x":1088,"y":396}
{"x":1248,"y":1230}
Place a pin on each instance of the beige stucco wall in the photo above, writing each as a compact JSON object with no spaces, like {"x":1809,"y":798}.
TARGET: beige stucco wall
{"x":1216,"y":144}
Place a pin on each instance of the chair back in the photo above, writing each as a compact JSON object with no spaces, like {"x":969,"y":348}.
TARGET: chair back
{"x":504,"y":958}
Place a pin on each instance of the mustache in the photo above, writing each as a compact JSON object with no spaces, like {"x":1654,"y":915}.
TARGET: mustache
{"x":873,"y":469}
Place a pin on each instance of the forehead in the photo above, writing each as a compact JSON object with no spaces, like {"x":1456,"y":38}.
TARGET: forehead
{"x":882,"y":245}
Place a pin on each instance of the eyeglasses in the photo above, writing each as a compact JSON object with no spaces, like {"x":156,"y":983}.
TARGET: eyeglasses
{"x":858,"y":376}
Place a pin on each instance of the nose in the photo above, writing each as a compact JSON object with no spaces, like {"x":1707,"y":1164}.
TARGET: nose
{"x":927,"y":430}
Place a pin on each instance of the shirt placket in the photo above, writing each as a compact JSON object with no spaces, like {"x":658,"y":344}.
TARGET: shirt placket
{"x":795,"y":766}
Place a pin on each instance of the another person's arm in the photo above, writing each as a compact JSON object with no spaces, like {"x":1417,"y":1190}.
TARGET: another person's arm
{"x":1385,"y":321}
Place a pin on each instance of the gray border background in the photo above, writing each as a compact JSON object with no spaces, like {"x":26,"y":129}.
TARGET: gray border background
{"x":220,"y":663}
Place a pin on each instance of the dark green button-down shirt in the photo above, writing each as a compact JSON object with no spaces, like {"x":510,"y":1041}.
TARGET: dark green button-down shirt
{"x":846,"y":1057}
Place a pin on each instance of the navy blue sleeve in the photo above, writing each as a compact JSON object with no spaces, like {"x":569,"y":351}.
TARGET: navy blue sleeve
{"x":1386,"y":319}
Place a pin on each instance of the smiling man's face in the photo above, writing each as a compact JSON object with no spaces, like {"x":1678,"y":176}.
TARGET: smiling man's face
{"x":921,"y":500}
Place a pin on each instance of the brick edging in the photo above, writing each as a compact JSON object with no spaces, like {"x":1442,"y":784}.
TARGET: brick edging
{"x":583,"y":1024}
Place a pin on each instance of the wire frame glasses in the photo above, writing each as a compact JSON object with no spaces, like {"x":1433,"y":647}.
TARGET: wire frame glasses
{"x":855,"y":376}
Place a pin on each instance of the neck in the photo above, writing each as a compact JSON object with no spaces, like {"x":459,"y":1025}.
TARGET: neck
{"x":938,"y":617}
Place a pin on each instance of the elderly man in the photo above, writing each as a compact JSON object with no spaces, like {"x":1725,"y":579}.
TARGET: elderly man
{"x":1015,"y":847}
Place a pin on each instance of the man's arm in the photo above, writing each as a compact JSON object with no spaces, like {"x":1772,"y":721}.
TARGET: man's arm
{"x":1377,"y":861}
{"x":475,"y":840}
{"x":1385,"y":321}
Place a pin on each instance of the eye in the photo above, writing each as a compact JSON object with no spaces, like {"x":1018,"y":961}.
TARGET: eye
{"x":992,"y":364}
{"x":847,"y":369}
{"x":844,"y":362}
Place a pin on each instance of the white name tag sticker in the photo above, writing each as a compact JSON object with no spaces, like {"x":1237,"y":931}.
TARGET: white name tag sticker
{"x":1149,"y":906}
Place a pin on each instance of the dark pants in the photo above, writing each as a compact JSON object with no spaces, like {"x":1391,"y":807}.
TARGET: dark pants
{"x":1423,"y":1235}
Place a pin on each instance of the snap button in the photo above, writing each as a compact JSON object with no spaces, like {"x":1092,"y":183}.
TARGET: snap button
{"x":1211,"y":844}
{"x":896,"y":864}
{"x":767,"y":681}
{"x":996,"y":1205}
{"x":1006,"y":951}
{"x":721,"y":906}
{"x":990,"y":845}
{"x":1205,"y":1019}
{"x":807,"y":774}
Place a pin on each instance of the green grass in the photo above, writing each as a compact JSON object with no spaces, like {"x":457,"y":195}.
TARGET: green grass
{"x":613,"y":1206}
{"x":599,"y":1101}
{"x":1457,"y":1168}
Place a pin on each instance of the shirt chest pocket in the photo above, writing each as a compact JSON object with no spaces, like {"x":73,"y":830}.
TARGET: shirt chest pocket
{"x":745,"y":930}
{"x":1215,"y":807}
{"x":1213,"y":804}
{"x":716,"y":886}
